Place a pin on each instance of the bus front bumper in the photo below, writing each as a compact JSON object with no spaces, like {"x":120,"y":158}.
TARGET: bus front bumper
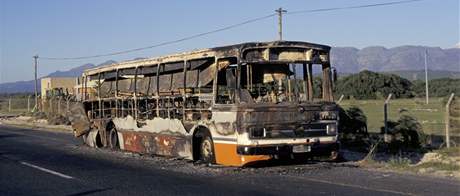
{"x":280,"y":149}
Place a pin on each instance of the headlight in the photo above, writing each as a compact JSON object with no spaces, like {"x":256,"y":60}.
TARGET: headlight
{"x":328,"y":115}
{"x":257,"y":132}
{"x":331,"y":129}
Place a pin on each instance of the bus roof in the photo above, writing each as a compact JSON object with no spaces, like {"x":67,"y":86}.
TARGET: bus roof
{"x":221,"y":52}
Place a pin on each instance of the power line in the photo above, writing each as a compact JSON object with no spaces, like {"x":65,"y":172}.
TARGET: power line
{"x":229,"y":27}
{"x":351,"y":7}
{"x":163,"y":43}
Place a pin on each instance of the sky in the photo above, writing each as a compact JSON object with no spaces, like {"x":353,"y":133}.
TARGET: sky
{"x":65,"y":28}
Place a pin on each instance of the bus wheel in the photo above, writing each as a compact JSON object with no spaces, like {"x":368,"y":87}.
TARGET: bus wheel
{"x":98,"y":141}
{"x":113,"y":139}
{"x":207,"y":150}
{"x":335,"y":156}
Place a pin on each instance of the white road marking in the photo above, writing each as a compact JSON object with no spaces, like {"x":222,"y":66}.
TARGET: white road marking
{"x":47,"y":170}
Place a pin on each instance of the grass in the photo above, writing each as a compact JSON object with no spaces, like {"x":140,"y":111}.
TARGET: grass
{"x":430,"y":116}
{"x":438,"y":166}
{"x":18,"y":105}
{"x":444,"y":165}
{"x":454,"y":151}
{"x":399,"y":162}
{"x":404,"y":164}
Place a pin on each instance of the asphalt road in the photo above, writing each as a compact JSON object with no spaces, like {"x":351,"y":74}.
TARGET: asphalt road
{"x":36,"y":162}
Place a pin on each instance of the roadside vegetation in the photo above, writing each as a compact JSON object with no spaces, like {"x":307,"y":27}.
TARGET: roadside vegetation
{"x":18,"y":103}
{"x":430,"y":116}
{"x":372,"y":85}
{"x":407,"y":150}
{"x":414,"y":141}
{"x":441,"y":87}
{"x":368,"y":85}
{"x":438,"y":162}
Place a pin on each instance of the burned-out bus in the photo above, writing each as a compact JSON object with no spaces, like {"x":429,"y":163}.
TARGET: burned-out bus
{"x":230,"y":105}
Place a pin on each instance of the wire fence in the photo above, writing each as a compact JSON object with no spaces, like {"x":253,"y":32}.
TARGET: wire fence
{"x":16,"y":105}
{"x":27,"y":105}
{"x":431,"y":116}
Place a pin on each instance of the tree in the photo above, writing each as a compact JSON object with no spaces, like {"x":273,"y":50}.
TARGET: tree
{"x":371,"y":85}
{"x":441,"y":87}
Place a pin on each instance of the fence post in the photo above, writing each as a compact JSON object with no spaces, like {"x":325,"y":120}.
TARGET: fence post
{"x":9,"y":104}
{"x":340,"y":99}
{"x":28,"y":103}
{"x":386,"y":137}
{"x":67,"y":105}
{"x":59,"y":105}
{"x":41,"y":104}
{"x":447,"y":119}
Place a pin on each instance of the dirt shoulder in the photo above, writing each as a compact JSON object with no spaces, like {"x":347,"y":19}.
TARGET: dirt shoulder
{"x":438,"y":163}
{"x":32,"y":123}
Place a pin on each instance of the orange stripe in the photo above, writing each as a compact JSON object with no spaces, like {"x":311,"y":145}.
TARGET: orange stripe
{"x":226,"y":155}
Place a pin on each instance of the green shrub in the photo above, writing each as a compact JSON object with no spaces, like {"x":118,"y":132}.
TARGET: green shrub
{"x":407,"y":133}
{"x":372,"y":85}
{"x":353,"y":127}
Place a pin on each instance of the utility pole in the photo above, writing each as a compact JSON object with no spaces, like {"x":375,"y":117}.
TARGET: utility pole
{"x":280,"y":12}
{"x":36,"y":83}
{"x":426,"y":77}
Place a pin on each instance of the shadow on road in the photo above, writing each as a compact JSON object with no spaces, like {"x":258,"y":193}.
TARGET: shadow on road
{"x":2,"y":136}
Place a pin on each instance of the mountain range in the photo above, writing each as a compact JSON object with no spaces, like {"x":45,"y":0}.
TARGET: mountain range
{"x":406,"y":61}
{"x":29,"y":86}
{"x":381,"y":59}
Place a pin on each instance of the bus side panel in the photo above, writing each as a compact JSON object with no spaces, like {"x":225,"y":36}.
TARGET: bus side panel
{"x":154,"y":143}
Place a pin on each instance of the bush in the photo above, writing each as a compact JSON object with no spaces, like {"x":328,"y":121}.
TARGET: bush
{"x":352,"y":121}
{"x":407,"y":133}
{"x":353,"y":127}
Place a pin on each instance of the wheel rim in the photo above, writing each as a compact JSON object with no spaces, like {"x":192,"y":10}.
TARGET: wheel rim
{"x":206,"y":149}
{"x":113,"y":138}
{"x":334,"y":155}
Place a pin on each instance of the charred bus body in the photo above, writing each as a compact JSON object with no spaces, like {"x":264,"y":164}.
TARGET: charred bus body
{"x":229,"y":105}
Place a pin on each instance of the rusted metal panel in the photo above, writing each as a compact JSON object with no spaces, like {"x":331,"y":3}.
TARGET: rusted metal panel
{"x":126,"y":85}
{"x":165,"y":82}
{"x":219,"y":52}
{"x":153,"y":143}
{"x":79,"y":120}
{"x":177,"y":81}
{"x":207,"y":75}
{"x":143,"y":85}
{"x":191,"y":78}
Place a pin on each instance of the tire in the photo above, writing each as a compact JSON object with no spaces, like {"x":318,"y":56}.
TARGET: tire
{"x":335,"y":156}
{"x":207,"y":154}
{"x":98,"y":141}
{"x":84,"y":139}
{"x":113,"y":139}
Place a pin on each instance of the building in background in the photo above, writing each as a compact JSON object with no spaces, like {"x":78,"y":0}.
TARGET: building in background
{"x":58,"y":86}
